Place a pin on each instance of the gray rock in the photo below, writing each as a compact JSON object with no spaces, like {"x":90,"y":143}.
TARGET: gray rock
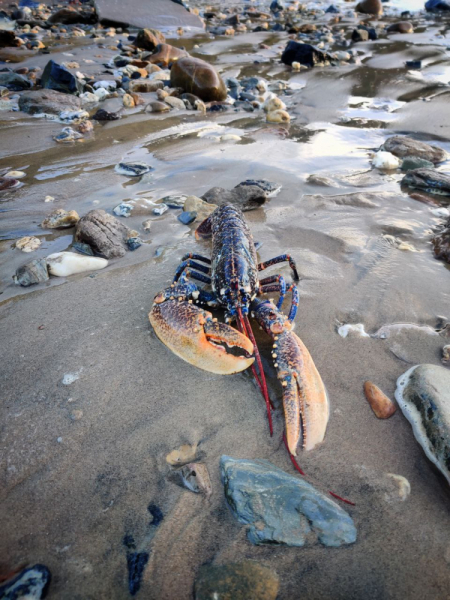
{"x":269,"y":187}
{"x":104,"y":233}
{"x":236,"y":581}
{"x":281,"y":508}
{"x":158,"y":14}
{"x":415,"y":162}
{"x":32,"y":273}
{"x":401,"y":146}
{"x":245,"y":197}
{"x":423,"y":394}
{"x":441,"y":243}
{"x":56,"y":77}
{"x":47,"y":101}
{"x":31,"y":583}
{"x":429,"y":180}
{"x":14,"y":81}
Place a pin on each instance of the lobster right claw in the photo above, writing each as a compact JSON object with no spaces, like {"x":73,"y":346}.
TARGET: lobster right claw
{"x":193,"y":335}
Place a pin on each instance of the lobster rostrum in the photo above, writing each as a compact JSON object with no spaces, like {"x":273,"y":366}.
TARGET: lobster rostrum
{"x":195,"y":336}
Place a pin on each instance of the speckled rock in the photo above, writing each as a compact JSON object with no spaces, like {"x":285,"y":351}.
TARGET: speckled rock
{"x":402,"y":146}
{"x":281,"y":508}
{"x":236,"y":581}
{"x":195,"y":76}
{"x":441,"y":243}
{"x":423,"y":394}
{"x":104,"y":233}
{"x":47,"y":101}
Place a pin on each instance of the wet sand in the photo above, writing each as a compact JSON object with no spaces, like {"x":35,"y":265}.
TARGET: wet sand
{"x":81,"y":463}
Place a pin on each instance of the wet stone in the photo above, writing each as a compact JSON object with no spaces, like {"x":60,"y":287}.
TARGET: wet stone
{"x":437,"y":6}
{"x":364,"y":34}
{"x":68,"y":16}
{"x":195,"y":76}
{"x":32,"y":273}
{"x":60,"y":218}
{"x":8,"y":183}
{"x":403,"y":146}
{"x":14,"y":81}
{"x":56,"y":77}
{"x":148,"y":39}
{"x":134,"y":243}
{"x":8,"y":39}
{"x":105,"y":234}
{"x":104,"y":115}
{"x":281,"y":508}
{"x":441,"y":243}
{"x":370,"y":7}
{"x":423,"y":395}
{"x":165,"y":54}
{"x":132,"y":169}
{"x":236,"y":581}
{"x":401,"y":27}
{"x":305,"y":54}
{"x":29,"y":584}
{"x":245,"y":197}
{"x":187,"y":217}
{"x":415,"y":162}
{"x":429,"y":180}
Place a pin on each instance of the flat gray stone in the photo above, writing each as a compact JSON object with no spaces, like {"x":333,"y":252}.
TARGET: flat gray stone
{"x":156,"y":14}
{"x":423,"y":394}
{"x":281,"y":508}
{"x":48,"y":101}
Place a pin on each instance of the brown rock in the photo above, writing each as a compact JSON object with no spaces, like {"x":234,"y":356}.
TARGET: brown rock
{"x":104,"y":233}
{"x":381,"y":405}
{"x":157,"y":107}
{"x":401,"y":27}
{"x":441,"y":243}
{"x":165,"y":54}
{"x":196,"y":76}
{"x":370,"y":7}
{"x":69,"y":16}
{"x":60,"y":219}
{"x":145,"y":87}
{"x":401,"y":146}
{"x":148,"y":39}
{"x":8,"y":39}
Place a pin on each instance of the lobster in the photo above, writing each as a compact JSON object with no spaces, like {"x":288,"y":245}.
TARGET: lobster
{"x":183,"y":324}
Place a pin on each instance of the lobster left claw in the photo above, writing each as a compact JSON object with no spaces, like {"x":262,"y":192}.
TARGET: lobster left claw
{"x":193,"y":335}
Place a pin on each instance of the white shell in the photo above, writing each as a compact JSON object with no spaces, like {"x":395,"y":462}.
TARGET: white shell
{"x":62,"y":264}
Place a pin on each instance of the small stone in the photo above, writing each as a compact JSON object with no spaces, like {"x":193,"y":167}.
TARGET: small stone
{"x":76,"y":415}
{"x":30,"y":584}
{"x":278,"y":116}
{"x":145,"y":87}
{"x":437,"y":6}
{"x":410,"y":163}
{"x":73,"y":116}
{"x":370,"y":7}
{"x":85,"y":127}
{"x":401,"y":27}
{"x":363,"y":34}
{"x":236,"y":581}
{"x":305,"y":54}
{"x":67,"y":135}
{"x":8,"y":183}
{"x":104,"y":233}
{"x":195,"y":477}
{"x":160,"y":209}
{"x":446,"y":355}
{"x":63,"y":264}
{"x":83,"y":248}
{"x":28,"y":244}
{"x":56,"y":77}
{"x":195,"y":76}
{"x":16,"y":174}
{"x":381,"y":405}
{"x":104,"y":115}
{"x":132,"y":169}
{"x":423,"y":394}
{"x":60,"y":218}
{"x":147,"y":225}
{"x":245,"y":197}
{"x":187,"y":217}
{"x":413,"y":64}
{"x":128,"y":101}
{"x":148,"y":39}
{"x":134,"y":243}
{"x":123,"y":209}
{"x":175,"y":102}
{"x":281,"y":508}
{"x":32,"y":273}
{"x":182,"y":455}
{"x":198,"y":206}
{"x":273,"y":104}
{"x":385,"y":161}
{"x":157,"y":107}
{"x":403,"y":146}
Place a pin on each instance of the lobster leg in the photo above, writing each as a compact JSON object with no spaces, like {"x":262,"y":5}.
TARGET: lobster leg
{"x":279,"y":287}
{"x":189,"y":264}
{"x":197,"y":257}
{"x":279,"y":259}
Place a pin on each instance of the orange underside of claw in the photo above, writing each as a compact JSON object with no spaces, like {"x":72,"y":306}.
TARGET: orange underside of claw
{"x":192,"y":335}
{"x":305,"y":398}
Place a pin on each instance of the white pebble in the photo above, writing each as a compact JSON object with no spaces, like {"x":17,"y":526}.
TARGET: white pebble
{"x":70,"y":378}
{"x":357,"y":328}
{"x":62,"y":264}
{"x":385,"y":160}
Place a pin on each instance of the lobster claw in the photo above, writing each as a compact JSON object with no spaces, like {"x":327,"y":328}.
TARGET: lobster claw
{"x":305,"y":399}
{"x":193,"y":335}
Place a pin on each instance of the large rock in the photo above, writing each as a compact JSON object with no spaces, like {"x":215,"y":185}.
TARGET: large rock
{"x":198,"y":77}
{"x":148,"y":39}
{"x":423,"y":394}
{"x":403,"y":146}
{"x":14,"y":81}
{"x":56,"y":77}
{"x":245,"y":197}
{"x":70,"y":16}
{"x":305,"y":54}
{"x":236,"y":581}
{"x":437,"y":5}
{"x":47,"y":101}
{"x":441,"y":243}
{"x":165,"y":54}
{"x":157,"y":14}
{"x":429,"y":180}
{"x":282,"y":508}
{"x":104,"y":233}
{"x":370,"y":7}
